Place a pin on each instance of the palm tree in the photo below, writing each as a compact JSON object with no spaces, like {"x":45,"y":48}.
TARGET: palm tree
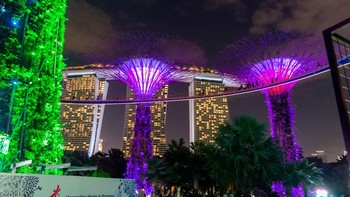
{"x":242,"y":157}
{"x":301,"y":173}
{"x":113,"y":163}
{"x":157,"y":172}
{"x":203,"y":181}
{"x":178,"y":158}
{"x":176,"y":151}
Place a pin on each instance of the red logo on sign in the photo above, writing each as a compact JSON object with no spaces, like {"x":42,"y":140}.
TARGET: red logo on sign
{"x":56,"y":192}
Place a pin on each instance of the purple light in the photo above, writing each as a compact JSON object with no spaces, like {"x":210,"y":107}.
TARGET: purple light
{"x":142,"y":148}
{"x":281,"y":114}
{"x":268,"y":58}
{"x":279,"y":189}
{"x":145,"y":76}
{"x":273,"y":70}
{"x":297,"y":191}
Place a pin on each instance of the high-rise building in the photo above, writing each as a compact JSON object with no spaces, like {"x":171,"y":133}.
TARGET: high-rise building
{"x":158,"y":111}
{"x":320,"y":154}
{"x":82,"y":123}
{"x":207,"y":114}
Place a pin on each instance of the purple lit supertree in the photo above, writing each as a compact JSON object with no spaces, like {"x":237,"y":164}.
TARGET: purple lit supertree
{"x":269,"y":58}
{"x":145,"y":76}
{"x":147,"y":69}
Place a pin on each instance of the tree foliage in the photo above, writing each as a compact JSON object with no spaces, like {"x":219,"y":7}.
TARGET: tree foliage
{"x":301,"y":173}
{"x":110,"y":164}
{"x":243,"y":157}
{"x":335,"y":175}
{"x":243,"y":161}
{"x":31,"y":54}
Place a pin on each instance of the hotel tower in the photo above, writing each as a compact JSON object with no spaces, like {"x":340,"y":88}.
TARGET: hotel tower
{"x":82,"y":123}
{"x":207,"y":114}
{"x":158,"y":111}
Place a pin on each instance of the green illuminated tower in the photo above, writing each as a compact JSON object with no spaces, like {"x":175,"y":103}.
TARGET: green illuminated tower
{"x":31,"y":65}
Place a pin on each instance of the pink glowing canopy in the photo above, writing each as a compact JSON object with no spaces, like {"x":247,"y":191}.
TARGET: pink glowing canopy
{"x":272,"y":57}
{"x":273,"y":70}
{"x":145,"y":76}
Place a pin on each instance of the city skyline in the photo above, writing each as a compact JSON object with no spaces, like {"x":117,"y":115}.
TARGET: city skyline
{"x":244,"y":104}
{"x":117,"y":89}
{"x":212,"y":25}
{"x":82,"y":123}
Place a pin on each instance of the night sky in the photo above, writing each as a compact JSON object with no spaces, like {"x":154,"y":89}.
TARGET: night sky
{"x":210,"y":25}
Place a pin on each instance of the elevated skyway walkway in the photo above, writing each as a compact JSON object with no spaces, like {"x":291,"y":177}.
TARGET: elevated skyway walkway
{"x":181,"y":98}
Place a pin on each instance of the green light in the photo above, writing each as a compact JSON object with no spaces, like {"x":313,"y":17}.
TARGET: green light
{"x":42,"y":140}
{"x":4,"y":143}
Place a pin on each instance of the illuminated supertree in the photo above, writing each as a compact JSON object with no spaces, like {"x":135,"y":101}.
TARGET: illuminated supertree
{"x":270,"y":58}
{"x":147,"y":70}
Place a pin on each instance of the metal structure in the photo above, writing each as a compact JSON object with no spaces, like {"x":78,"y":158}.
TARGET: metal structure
{"x":146,"y":64}
{"x":145,"y":76}
{"x":337,"y":42}
{"x":270,"y":58}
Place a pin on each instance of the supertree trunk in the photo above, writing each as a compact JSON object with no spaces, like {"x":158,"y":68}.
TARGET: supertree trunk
{"x":281,"y":114}
{"x":142,"y":148}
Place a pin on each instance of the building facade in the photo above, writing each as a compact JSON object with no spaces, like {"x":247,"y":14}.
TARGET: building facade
{"x":158,"y":134}
{"x":82,"y":123}
{"x":337,"y":43}
{"x":207,"y":114}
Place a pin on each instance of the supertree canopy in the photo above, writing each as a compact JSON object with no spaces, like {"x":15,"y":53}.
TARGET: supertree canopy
{"x":31,"y":45}
{"x":147,"y":69}
{"x":270,"y":58}
{"x":145,"y":76}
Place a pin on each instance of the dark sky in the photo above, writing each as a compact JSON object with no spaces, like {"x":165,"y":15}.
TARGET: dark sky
{"x":211,"y":25}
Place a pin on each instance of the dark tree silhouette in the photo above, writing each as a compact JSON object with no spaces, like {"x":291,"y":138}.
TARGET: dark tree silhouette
{"x":113,"y":163}
{"x":243,"y":158}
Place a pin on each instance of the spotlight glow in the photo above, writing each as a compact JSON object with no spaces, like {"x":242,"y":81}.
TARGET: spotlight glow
{"x":321,"y":193}
{"x":14,"y":22}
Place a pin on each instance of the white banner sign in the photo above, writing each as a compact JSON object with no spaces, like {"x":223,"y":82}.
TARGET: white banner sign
{"x":32,"y":185}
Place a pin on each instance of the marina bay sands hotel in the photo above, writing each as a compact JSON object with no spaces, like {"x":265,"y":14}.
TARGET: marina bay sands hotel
{"x":83,"y":123}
